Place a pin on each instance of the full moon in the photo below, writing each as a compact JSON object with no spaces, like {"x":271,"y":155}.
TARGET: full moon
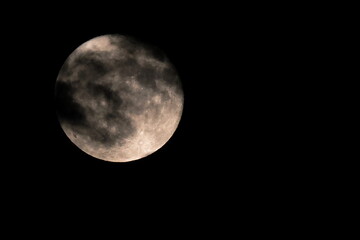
{"x":118,"y":99}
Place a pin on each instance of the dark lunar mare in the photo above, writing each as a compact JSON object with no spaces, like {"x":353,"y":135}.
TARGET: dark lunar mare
{"x":68,"y":110}
{"x":80,"y":118}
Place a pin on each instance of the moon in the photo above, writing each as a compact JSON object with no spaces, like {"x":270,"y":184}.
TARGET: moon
{"x":118,"y":99}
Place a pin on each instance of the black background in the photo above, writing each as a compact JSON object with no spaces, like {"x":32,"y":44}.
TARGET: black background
{"x":237,"y":147}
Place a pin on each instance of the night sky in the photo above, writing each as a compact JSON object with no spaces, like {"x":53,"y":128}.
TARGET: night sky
{"x":234,"y":142}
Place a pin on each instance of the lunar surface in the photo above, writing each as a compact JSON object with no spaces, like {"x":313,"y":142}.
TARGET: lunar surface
{"x":118,"y":99}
